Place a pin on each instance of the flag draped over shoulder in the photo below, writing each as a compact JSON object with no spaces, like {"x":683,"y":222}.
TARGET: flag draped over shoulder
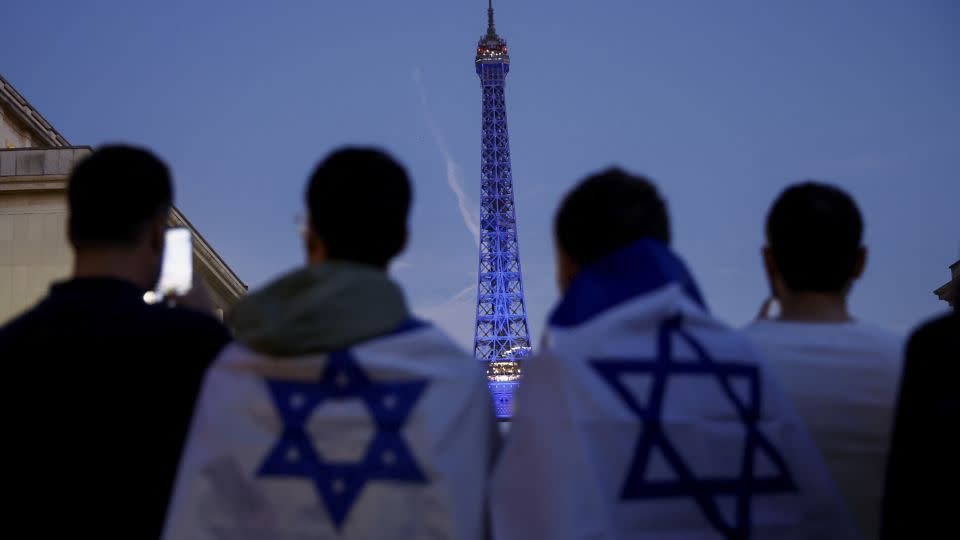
{"x":391,"y":438}
{"x":643,"y":417}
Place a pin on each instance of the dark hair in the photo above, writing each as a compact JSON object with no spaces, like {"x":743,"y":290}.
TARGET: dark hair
{"x":608,"y":211}
{"x":814,"y":231}
{"x":359,"y":199}
{"x":114,"y":193}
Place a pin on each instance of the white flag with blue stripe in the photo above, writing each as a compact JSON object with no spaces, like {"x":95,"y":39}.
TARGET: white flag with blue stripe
{"x":391,"y":438}
{"x":644,"y":417}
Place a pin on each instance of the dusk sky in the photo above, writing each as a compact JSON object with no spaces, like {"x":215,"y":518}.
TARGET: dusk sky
{"x":721,"y":103}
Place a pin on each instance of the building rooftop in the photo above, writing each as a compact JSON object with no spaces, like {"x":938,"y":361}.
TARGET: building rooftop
{"x":948,"y":291}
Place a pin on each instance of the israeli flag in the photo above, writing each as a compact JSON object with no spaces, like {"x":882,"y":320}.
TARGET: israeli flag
{"x":644,"y":417}
{"x":392,"y":438}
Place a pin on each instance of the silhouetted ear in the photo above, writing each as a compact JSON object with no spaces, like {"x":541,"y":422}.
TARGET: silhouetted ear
{"x":773,"y":271}
{"x":567,"y":268}
{"x":401,"y":247}
{"x":315,"y":247}
{"x":861,"y":263}
{"x":70,"y":238}
{"x":403,"y":243}
{"x":769,"y":265}
{"x":157,"y":233}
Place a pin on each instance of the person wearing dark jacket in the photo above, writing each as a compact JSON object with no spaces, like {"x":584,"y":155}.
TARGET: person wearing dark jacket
{"x":100,"y":385}
{"x":923,"y":472}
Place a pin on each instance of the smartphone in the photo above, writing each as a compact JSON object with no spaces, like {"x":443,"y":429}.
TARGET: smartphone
{"x":176,"y":272}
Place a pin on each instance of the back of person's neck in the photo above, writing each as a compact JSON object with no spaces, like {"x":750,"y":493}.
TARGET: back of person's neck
{"x":110,"y":264}
{"x":814,"y":307}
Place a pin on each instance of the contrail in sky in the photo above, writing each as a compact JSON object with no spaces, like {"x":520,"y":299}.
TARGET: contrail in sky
{"x":468,"y":209}
{"x":454,"y":315}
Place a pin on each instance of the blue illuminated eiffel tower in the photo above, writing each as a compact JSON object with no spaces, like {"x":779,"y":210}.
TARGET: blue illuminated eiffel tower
{"x":501,"y":338}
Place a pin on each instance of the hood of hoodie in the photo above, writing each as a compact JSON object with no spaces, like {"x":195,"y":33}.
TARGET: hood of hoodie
{"x":319,"y":308}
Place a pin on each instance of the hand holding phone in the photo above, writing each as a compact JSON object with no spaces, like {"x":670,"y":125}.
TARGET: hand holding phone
{"x":176,"y":272}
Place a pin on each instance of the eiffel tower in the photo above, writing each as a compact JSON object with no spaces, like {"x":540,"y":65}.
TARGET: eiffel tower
{"x":501,"y":337}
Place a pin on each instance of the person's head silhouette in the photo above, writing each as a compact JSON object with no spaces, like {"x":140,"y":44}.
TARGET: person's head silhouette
{"x":359,"y":200}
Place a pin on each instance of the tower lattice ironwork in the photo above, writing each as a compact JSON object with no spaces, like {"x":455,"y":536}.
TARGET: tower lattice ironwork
{"x":501,"y":337}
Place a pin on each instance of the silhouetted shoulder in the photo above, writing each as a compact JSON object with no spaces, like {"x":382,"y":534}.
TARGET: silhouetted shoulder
{"x":935,"y":340}
{"x":21,"y":330}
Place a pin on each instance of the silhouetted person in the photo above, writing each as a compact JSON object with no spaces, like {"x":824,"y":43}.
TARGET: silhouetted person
{"x":336,"y":414}
{"x":841,"y":373}
{"x":642,"y":416}
{"x":923,"y":472}
{"x":101,"y":385}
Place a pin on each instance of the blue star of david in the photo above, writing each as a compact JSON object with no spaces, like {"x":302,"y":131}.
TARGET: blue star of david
{"x":704,"y":490}
{"x":387,"y":457}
